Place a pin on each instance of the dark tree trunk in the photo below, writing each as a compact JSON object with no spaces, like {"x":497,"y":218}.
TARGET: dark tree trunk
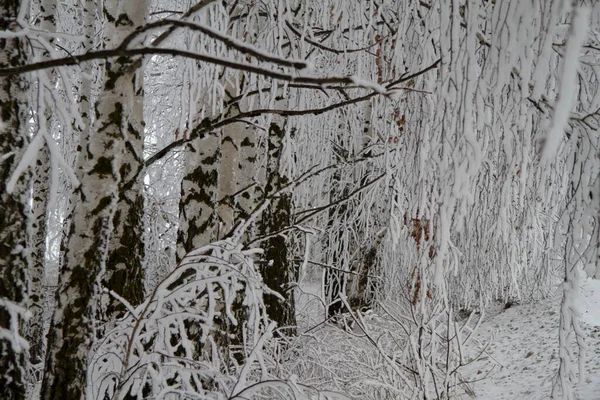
{"x":277,"y":270}
{"x":13,"y":221}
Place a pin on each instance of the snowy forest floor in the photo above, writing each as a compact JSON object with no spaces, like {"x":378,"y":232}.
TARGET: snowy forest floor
{"x":520,"y":361}
{"x":524,"y":349}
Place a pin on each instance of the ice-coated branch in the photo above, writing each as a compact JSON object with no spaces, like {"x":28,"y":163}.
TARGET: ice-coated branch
{"x":330,"y":49}
{"x":227,"y":40}
{"x":215,"y":124}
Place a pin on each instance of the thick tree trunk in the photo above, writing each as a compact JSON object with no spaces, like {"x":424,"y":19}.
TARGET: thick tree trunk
{"x":198,"y":205}
{"x":228,"y":166}
{"x":13,"y":222}
{"x":277,"y":270}
{"x":124,"y":266}
{"x":100,"y":168}
{"x":37,"y":287}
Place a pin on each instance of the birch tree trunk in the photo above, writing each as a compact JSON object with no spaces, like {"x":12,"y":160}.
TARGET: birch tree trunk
{"x":124,"y":267}
{"x":277,"y":270}
{"x":39,"y":210}
{"x":13,"y":221}
{"x":100,"y":168}
{"x":37,"y":289}
{"x":198,"y":204}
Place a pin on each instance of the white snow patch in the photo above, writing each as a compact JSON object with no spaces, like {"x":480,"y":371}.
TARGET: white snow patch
{"x":524,"y":350}
{"x":589,"y":302}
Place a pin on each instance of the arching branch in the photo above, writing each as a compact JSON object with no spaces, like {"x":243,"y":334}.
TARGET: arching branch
{"x":208,"y":125}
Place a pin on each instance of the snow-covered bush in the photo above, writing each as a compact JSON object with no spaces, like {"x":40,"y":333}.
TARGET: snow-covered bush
{"x":200,"y":333}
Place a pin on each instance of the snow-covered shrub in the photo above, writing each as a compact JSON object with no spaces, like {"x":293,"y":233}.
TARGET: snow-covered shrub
{"x":187,"y":339}
{"x":395,"y":353}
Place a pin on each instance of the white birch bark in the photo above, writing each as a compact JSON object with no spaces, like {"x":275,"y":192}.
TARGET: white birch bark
{"x":124,"y":272}
{"x":197,"y":211}
{"x":240,"y":170}
{"x":228,"y":177}
{"x":277,"y":270}
{"x":100,"y":167}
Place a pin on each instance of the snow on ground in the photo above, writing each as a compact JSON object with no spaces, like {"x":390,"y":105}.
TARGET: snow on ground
{"x":523,"y":349}
{"x":522,"y":357}
{"x":589,"y":302}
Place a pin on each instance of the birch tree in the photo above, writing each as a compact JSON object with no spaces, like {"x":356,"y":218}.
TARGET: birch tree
{"x":278,"y":270}
{"x":124,"y":274}
{"x":100,"y":170}
{"x":463,"y":184}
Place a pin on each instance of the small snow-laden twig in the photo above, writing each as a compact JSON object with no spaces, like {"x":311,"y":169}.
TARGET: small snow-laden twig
{"x":474,"y":329}
{"x":56,"y":157}
{"x":40,"y":35}
{"x":189,"y":319}
{"x":569,"y":326}
{"x":122,"y":300}
{"x":241,"y":381}
{"x":361,"y":324}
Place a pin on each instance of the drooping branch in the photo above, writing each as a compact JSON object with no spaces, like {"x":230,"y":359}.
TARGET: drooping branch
{"x":209,"y":125}
{"x":307,"y":214}
{"x":227,"y":40}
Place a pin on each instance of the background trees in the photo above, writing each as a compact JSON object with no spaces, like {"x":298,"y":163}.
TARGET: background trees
{"x":460,"y":168}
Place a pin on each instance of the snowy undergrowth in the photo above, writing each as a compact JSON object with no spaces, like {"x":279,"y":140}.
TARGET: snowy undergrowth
{"x":390,"y":354}
{"x":524,"y":349}
{"x":513,"y":353}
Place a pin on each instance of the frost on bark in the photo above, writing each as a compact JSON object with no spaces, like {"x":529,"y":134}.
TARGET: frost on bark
{"x":277,"y":270}
{"x":13,"y":224}
{"x":99,"y":169}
